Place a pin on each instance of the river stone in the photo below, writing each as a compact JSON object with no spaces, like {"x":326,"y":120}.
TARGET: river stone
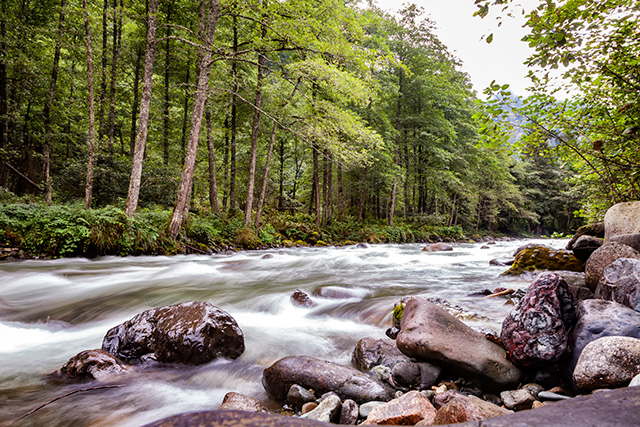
{"x":597,"y":318}
{"x":463,"y":408}
{"x":428,"y":333}
{"x":518,"y":399}
{"x":322,"y":376}
{"x":189,"y":333}
{"x":540,"y":257}
{"x":595,"y":230}
{"x":622,"y":218}
{"x":602,"y":258}
{"x":408,"y":409}
{"x":365,"y":409}
{"x":608,"y":362}
{"x":91,"y":365}
{"x":298,"y":396}
{"x":349,"y":413}
{"x":536,"y":331}
{"x":635,"y":381}
{"x":620,"y":282}
{"x":437,"y":247}
{"x":585,"y":246}
{"x":328,"y":410}
{"x":632,"y":240}
{"x":301,"y":299}
{"x":241,"y":402}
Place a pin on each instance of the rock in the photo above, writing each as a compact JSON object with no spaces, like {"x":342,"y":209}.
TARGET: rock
{"x":573,"y":278}
{"x":635,"y":382}
{"x":90,"y":365}
{"x":541,"y":257}
{"x":622,"y":218}
{"x":548,"y":395}
{"x":190,"y":333}
{"x":437,"y":247}
{"x":537,"y":404}
{"x":442,"y":398}
{"x":308,"y":407}
{"x":233,"y":419}
{"x":462,"y":409}
{"x":608,"y":362}
{"x":595,"y":230}
{"x":497,"y":263}
{"x":241,"y":402}
{"x":602,"y":258}
{"x":518,"y":399}
{"x":349,"y":413}
{"x":485,"y":247}
{"x":322,"y":376}
{"x":536,"y":331}
{"x":298,"y":396}
{"x":620,"y":282}
{"x":597,"y":318}
{"x":579,"y":293}
{"x":362,"y":246}
{"x":585,"y":246}
{"x":301,"y":299}
{"x":335,"y":292}
{"x":408,"y":409}
{"x":366,"y":408}
{"x":428,"y":333}
{"x":326,"y":411}
{"x":632,"y":240}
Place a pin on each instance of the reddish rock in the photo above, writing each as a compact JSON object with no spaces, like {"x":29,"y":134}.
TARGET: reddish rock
{"x":301,"y":299}
{"x":467,"y":408}
{"x":408,"y":409}
{"x":240,"y":402}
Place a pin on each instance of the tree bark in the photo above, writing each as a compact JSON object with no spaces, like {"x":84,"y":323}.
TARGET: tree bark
{"x":234,"y":114}
{"x":316,"y":183}
{"x":46,"y":113}
{"x":394,"y":187}
{"x":363,"y":195}
{"x":185,"y":115}
{"x":167,"y":57}
{"x":213,"y":183}
{"x":92,"y":132}
{"x":117,"y":43}
{"x":136,"y":101}
{"x":208,"y":17}
{"x":265,"y":178}
{"x":145,"y":103}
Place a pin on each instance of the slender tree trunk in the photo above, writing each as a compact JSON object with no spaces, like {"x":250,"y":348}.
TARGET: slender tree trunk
{"x":4,"y":110}
{"x":394,"y":187}
{"x":225,"y":162}
{"x":117,"y":43}
{"x":46,"y":113}
{"x":281,"y":176}
{"x":91,"y":137}
{"x":363,"y":195}
{"x":145,"y":103}
{"x":213,"y":183}
{"x":316,"y":184}
{"x":103,"y":72}
{"x":136,"y":101}
{"x":234,"y":114}
{"x":167,"y":60}
{"x":340,"y":194}
{"x":185,"y":115}
{"x":208,"y":17}
{"x":265,"y":178}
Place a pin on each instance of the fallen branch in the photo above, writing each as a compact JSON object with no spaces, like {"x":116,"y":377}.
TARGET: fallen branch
{"x":80,"y":390}
{"x":497,"y":294}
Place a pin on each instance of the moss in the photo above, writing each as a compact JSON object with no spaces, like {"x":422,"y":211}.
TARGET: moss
{"x":398,"y":311}
{"x":543,"y":258}
{"x":321,"y":243}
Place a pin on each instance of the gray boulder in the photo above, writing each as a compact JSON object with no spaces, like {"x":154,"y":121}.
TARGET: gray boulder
{"x":608,"y":362}
{"x":632,"y":240}
{"x":428,"y":333}
{"x":602,"y":258}
{"x":585,"y":246}
{"x":536,"y":331}
{"x":189,"y":333}
{"x":322,"y":377}
{"x":622,"y":218}
{"x":621,"y":283}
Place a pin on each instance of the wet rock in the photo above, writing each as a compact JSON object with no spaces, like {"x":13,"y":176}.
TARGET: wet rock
{"x":189,"y":333}
{"x":301,"y":299}
{"x":428,"y":333}
{"x":548,"y":395}
{"x":233,"y":419}
{"x":308,"y":407}
{"x":267,"y":256}
{"x":632,"y":240}
{"x":597,"y":318}
{"x":327,"y":411}
{"x":362,"y":246}
{"x":497,"y":263}
{"x":602,"y":258}
{"x":518,"y":399}
{"x":335,"y":292}
{"x":620,"y":282}
{"x":437,"y":247}
{"x":530,"y":246}
{"x":349,"y":413}
{"x":11,"y":254}
{"x":297,"y":396}
{"x":90,"y":365}
{"x":579,"y":293}
{"x":322,"y":376}
{"x":622,"y":218}
{"x":595,"y":230}
{"x":462,"y":409}
{"x":608,"y":362}
{"x":408,"y":409}
{"x":536,"y":331}
{"x":541,"y":257}
{"x":370,"y":352}
{"x":585,"y":246}
{"x":241,"y":402}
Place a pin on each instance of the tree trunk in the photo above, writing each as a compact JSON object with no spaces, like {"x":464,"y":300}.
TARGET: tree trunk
{"x":167,"y":58}
{"x":103,"y":72}
{"x":46,"y":113}
{"x":91,"y":137}
{"x":208,"y":17}
{"x":4,"y":119}
{"x":394,"y":187}
{"x":213,"y":183}
{"x":117,"y":43}
{"x":225,"y":162}
{"x":145,"y":103}
{"x":265,"y":178}
{"x":136,"y":101}
{"x":363,"y":195}
{"x":316,"y":184}
{"x":185,"y":116}
{"x":281,"y":176}
{"x":234,"y":114}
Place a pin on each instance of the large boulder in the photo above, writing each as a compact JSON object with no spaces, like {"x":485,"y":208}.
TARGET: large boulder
{"x":597,"y":318}
{"x":622,"y":218}
{"x":322,"y":377}
{"x":428,"y":333}
{"x":406,"y":410}
{"x":536,"y":331}
{"x":585,"y":246}
{"x":541,"y":257}
{"x":620,"y":282}
{"x":463,"y":409}
{"x":608,"y":362}
{"x":90,"y":365}
{"x":602,"y":258}
{"x":437,"y":247}
{"x":632,"y":240}
{"x":189,"y":333}
{"x":594,"y":230}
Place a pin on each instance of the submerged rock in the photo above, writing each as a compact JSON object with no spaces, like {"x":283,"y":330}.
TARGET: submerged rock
{"x":90,"y":365}
{"x":301,"y":299}
{"x":189,"y":333}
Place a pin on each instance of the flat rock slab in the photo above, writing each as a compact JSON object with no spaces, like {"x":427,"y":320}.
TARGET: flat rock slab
{"x":234,"y":419}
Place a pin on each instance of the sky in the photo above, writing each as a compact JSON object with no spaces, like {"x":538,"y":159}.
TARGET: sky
{"x":501,"y":60}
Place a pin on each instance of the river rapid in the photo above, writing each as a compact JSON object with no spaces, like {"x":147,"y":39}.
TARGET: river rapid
{"x":52,"y":310}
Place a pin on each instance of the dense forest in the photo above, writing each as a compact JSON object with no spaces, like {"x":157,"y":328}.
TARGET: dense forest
{"x":331,"y":113}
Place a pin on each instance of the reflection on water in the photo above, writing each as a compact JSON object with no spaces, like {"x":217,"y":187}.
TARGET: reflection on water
{"x":52,"y":310}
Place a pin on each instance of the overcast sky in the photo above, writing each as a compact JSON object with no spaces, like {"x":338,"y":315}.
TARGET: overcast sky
{"x":502,"y":60}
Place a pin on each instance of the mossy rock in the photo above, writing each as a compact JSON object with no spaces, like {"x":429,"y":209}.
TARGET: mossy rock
{"x":544,"y":258}
{"x":321,"y":243}
{"x":300,"y":243}
{"x":287,"y":243}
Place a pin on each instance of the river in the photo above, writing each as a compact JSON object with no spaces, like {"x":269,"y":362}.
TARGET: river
{"x":52,"y":310}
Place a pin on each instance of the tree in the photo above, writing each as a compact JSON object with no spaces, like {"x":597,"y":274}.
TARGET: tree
{"x":91,"y":133}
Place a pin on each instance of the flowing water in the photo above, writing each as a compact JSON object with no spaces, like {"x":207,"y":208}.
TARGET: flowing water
{"x":52,"y":310}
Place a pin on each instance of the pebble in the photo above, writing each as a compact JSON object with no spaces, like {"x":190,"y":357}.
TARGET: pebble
{"x":547,"y":395}
{"x":441,"y":389}
{"x":308,"y":407}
